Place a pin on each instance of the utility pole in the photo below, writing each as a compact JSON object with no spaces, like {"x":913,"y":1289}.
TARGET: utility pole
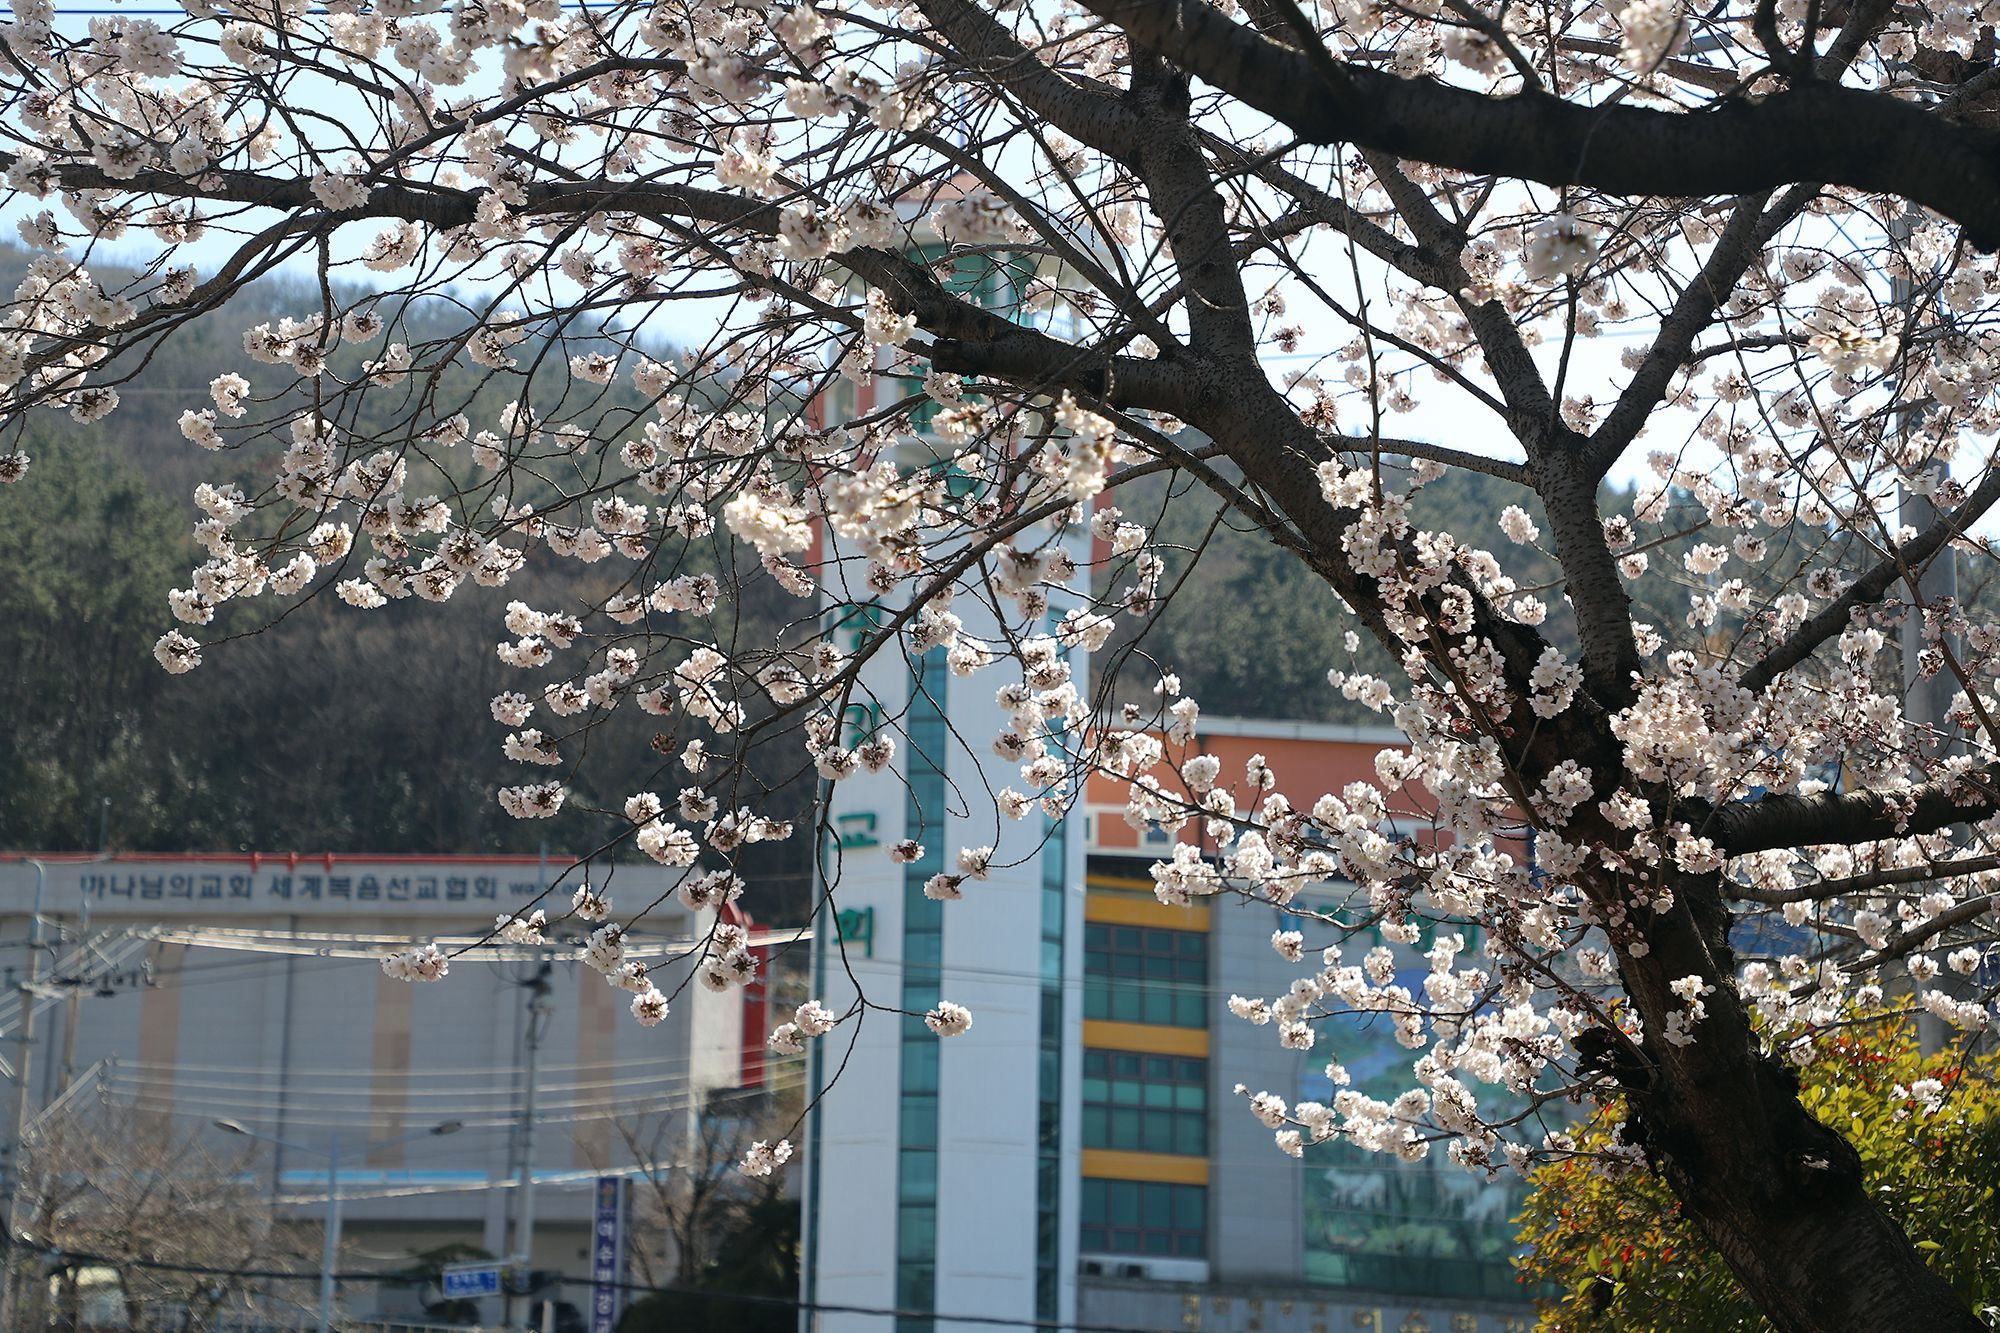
{"x":10,"y":1283}
{"x":66,"y":1071}
{"x":1925,"y":700}
{"x":329,"y":1262}
{"x":539,"y":1007}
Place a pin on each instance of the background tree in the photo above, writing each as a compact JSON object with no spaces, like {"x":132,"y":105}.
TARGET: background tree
{"x":690,"y":1208}
{"x":1057,"y":249}
{"x":1621,"y":1256}
{"x":125,"y":1199}
{"x":722,"y":1246}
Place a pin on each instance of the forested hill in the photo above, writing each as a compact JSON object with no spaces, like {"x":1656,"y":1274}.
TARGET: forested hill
{"x":332,"y":730}
{"x":342,"y":731}
{"x":347,"y":731}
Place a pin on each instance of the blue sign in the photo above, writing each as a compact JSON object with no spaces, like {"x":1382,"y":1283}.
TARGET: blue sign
{"x":607,"y":1253}
{"x":471,"y":1280}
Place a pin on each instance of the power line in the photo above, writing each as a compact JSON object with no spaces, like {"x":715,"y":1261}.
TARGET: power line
{"x":347,"y":1073}
{"x":582,"y":1112}
{"x":353,"y":1085}
{"x":211,"y":1090}
{"x":590,"y":1094}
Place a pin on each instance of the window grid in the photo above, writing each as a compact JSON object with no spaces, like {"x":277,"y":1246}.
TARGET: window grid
{"x":923,"y":953}
{"x":987,"y":281}
{"x":1138,"y":974}
{"x":1145,"y":1217}
{"x":1137,"y":1102}
{"x":1048,"y":1139}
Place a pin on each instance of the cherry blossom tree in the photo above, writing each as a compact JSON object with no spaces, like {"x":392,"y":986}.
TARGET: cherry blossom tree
{"x":593,"y":283}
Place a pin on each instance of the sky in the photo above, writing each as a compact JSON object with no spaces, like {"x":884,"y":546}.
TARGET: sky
{"x":1443,"y":415}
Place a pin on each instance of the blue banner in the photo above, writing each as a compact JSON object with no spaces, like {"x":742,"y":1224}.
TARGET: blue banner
{"x":607,"y":1253}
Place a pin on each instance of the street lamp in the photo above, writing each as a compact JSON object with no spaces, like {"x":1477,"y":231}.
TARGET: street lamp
{"x":332,"y":1155}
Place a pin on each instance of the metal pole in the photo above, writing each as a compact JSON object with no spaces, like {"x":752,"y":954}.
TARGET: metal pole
{"x":331,"y":1257}
{"x":74,"y":1017}
{"x":10,"y":1294}
{"x":524,"y":1217}
{"x":66,"y":1071}
{"x":1924,"y":701}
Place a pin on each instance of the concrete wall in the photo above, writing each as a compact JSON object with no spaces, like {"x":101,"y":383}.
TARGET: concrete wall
{"x":1256,"y":1205}
{"x":329,"y":1052}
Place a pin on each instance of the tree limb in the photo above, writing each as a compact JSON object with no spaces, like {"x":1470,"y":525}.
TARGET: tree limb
{"x":1874,"y":879}
{"x":1735,"y":147}
{"x":1844,"y":818}
{"x":1870,"y":588}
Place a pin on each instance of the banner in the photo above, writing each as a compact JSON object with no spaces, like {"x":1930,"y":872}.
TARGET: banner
{"x":607,"y":1254}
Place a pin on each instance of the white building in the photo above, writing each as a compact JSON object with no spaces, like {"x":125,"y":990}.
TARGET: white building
{"x":940,"y":1174}
{"x":249,"y":989}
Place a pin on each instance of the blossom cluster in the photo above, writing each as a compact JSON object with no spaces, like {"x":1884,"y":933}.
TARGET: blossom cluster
{"x":959,"y":331}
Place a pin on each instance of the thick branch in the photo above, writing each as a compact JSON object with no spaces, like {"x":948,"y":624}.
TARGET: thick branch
{"x":1191,"y":212}
{"x":970,"y":340}
{"x":1596,"y":591}
{"x":1844,"y":818}
{"x":1743,"y":238}
{"x":1874,"y":879}
{"x":1529,"y":404}
{"x":1088,"y":110}
{"x":1907,"y":941}
{"x":1815,"y":131}
{"x":1030,"y":360}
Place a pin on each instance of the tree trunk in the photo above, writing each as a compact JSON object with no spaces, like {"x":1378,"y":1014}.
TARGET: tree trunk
{"x":1795,"y":1225}
{"x":1781,"y":1196}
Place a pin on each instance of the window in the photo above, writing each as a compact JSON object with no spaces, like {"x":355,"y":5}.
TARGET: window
{"x":1145,"y":1217}
{"x":1145,"y":1103}
{"x":1135,"y":974}
{"x":923,"y":948}
{"x":994,"y":283}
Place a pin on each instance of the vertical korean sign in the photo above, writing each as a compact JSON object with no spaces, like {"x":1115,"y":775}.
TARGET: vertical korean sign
{"x":607,"y":1245}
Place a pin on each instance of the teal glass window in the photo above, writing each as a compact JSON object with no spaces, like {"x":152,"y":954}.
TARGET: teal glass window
{"x":1136,"y":974}
{"x":1144,"y":1217}
{"x":1145,"y":1103}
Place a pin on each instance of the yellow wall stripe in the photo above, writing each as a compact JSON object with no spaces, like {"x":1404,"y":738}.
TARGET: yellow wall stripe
{"x":1118,"y":882}
{"x":1119,"y":910}
{"x":1106,"y":1164}
{"x":1148,"y":1037}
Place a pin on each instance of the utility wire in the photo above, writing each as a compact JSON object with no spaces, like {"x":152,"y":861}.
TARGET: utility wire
{"x":571,"y":1113}
{"x":348,"y":1073}
{"x":360,"y":1088}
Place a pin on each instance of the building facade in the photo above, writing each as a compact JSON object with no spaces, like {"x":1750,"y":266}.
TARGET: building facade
{"x":1078,"y":1158}
{"x":941,"y":1173}
{"x":249,"y":989}
{"x":1186,"y":1216}
{"x":1191,"y":1216}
